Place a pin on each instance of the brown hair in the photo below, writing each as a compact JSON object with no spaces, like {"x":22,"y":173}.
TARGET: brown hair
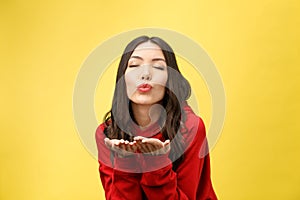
{"x":177,"y":91}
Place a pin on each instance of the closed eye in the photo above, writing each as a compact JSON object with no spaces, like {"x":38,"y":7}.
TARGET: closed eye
{"x":159,"y":67}
{"x":133,"y":65}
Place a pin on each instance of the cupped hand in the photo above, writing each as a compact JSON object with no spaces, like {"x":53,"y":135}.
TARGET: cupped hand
{"x":148,"y":146}
{"x":152,"y":146}
{"x":122,"y":147}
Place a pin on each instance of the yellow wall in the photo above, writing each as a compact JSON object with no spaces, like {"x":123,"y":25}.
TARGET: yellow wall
{"x":254,"y":44}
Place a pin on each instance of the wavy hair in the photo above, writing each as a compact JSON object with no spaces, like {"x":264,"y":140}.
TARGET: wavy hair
{"x":177,"y":91}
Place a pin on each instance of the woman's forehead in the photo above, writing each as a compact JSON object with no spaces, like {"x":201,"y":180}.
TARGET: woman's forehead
{"x":147,"y":50}
{"x":147,"y":45}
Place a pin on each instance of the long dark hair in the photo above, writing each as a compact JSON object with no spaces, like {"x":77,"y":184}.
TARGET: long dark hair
{"x":177,"y":91}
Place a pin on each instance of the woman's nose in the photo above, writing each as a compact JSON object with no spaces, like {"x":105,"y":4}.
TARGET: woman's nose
{"x":146,"y":74}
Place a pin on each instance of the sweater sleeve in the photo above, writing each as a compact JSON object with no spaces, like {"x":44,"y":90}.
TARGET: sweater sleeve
{"x":191,"y":180}
{"x":118,"y":180}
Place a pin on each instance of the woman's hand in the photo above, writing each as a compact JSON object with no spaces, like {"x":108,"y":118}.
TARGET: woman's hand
{"x":149,"y":146}
{"x":122,"y":147}
{"x":152,"y":146}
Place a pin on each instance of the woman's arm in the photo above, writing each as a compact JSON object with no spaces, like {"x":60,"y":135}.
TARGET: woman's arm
{"x":190,"y":181}
{"x":117,"y":183}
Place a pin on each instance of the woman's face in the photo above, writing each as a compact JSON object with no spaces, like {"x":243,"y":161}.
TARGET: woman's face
{"x":146,"y":74}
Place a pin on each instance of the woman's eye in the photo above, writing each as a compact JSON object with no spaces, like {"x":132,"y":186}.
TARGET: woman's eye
{"x":133,"y":65}
{"x":159,"y":67}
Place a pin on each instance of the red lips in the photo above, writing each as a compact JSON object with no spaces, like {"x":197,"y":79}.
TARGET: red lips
{"x":144,"y":87}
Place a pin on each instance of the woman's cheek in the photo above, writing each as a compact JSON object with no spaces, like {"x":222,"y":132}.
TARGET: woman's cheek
{"x":161,"y":80}
{"x":130,"y":86}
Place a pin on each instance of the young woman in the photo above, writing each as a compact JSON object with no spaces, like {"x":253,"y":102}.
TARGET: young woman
{"x":152,"y":145}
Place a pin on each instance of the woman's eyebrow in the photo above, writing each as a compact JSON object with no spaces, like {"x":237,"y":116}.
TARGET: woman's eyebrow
{"x":154,"y":59}
{"x":158,"y":59}
{"x":138,"y":57}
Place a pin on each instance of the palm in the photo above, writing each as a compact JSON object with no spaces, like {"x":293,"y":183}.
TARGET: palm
{"x":140,"y":144}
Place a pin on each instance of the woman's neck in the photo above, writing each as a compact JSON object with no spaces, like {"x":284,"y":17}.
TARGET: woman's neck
{"x":145,"y":115}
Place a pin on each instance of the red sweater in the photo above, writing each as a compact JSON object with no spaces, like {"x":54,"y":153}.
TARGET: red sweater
{"x":152,"y":177}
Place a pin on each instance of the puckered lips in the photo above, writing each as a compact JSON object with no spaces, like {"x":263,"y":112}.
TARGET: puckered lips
{"x":144,"y":87}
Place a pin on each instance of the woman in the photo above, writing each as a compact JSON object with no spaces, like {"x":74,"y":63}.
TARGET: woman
{"x":152,"y":145}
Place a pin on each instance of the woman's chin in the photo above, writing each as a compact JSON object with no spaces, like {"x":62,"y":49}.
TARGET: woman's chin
{"x":145,"y":102}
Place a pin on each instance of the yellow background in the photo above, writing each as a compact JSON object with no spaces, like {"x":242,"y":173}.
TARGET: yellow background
{"x":254,"y":44}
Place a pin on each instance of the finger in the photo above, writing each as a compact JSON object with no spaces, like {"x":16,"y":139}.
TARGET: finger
{"x":131,"y":147}
{"x":122,"y":146}
{"x":147,"y":148}
{"x":156,"y":143}
{"x":114,"y":141}
{"x":144,"y":148}
{"x":137,"y":138}
{"x":127,"y":146}
{"x":116,"y":148}
{"x":166,"y":142}
{"x":158,"y":147}
{"x":107,"y":142}
{"x":167,"y":146}
{"x":138,"y":147}
{"x":121,"y":141}
{"x":110,"y":143}
{"x":151,"y":147}
{"x":153,"y":141}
